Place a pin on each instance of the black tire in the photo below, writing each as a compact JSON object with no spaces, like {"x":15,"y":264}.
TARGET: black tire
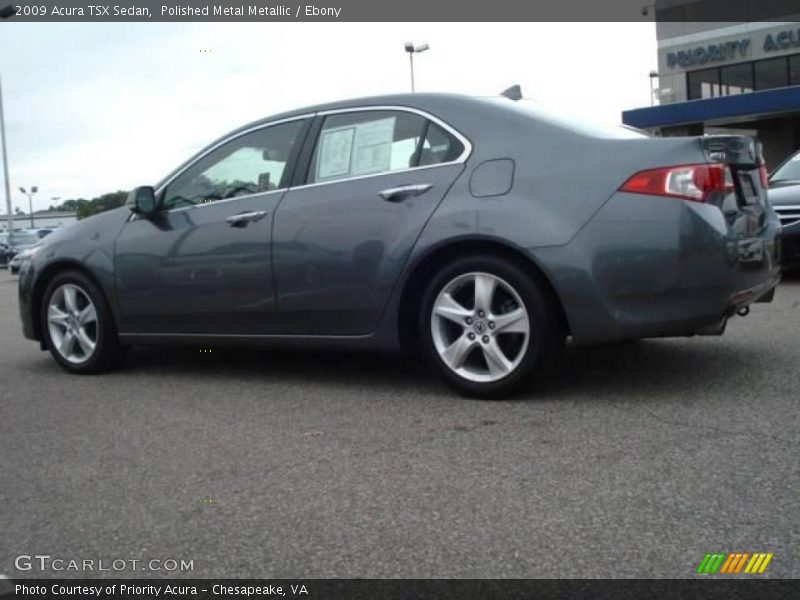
{"x":546,"y":335}
{"x":108,"y":352}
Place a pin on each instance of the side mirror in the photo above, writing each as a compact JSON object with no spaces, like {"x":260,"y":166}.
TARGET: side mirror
{"x":142,"y":200}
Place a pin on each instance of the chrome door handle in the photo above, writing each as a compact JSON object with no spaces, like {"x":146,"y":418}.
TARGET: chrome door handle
{"x":398,"y":194}
{"x":244,"y":218}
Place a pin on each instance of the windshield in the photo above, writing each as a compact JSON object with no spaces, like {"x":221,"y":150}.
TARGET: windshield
{"x":790,"y":170}
{"x":24,"y":238}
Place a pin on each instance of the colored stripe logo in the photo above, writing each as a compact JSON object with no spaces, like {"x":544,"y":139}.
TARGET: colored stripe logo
{"x":733,"y":563}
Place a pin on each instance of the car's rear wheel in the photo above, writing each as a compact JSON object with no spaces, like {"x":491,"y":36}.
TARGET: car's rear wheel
{"x":488,"y":327}
{"x":77,"y":325}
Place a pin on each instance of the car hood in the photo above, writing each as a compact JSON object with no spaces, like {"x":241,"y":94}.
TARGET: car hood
{"x":785,"y":194}
{"x":86,"y":227}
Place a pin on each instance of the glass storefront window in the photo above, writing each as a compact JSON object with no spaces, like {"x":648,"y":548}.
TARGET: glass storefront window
{"x":741,"y":78}
{"x":736,"y":79}
{"x":794,"y":70}
{"x":772,"y":73}
{"x":703,"y":84}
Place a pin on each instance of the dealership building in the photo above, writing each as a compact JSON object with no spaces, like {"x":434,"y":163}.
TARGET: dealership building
{"x":41,"y":219}
{"x":725,"y":78}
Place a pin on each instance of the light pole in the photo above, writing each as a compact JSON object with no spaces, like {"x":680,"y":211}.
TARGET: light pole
{"x":412,"y":50}
{"x":5,"y":167}
{"x":6,"y":13}
{"x":30,"y":194}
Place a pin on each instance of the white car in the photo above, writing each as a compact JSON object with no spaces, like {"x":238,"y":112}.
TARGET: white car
{"x":15,"y":263}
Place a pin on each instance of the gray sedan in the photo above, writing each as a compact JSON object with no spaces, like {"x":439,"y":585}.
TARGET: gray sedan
{"x":479,"y":232}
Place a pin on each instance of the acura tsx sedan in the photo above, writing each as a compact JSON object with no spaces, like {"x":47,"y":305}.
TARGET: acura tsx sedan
{"x":479,"y":232}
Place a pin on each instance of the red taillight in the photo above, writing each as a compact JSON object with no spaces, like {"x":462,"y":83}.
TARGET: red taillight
{"x":689,"y":182}
{"x":762,"y":172}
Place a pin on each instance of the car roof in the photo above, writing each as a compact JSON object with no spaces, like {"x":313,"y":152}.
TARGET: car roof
{"x":434,"y":103}
{"x":438,"y":105}
{"x":416,"y":100}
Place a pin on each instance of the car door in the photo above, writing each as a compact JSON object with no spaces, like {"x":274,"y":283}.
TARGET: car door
{"x":202,"y":264}
{"x":372,"y":178}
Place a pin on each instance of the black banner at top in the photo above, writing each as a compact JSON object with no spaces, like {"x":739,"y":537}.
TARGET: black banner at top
{"x":407,"y":10}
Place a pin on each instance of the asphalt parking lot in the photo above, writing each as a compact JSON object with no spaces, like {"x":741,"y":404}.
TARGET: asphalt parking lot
{"x":636,"y":461}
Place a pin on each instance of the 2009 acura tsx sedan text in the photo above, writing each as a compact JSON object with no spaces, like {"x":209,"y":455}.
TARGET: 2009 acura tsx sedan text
{"x":476,"y":230}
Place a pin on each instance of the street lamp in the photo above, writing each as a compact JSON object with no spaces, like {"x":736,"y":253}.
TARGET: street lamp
{"x":30,"y":194}
{"x":6,"y":13}
{"x":9,"y":216}
{"x":412,"y":50}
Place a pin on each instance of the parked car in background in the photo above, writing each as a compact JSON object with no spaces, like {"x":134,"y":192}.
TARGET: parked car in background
{"x":17,"y":242}
{"x":44,"y":232}
{"x":480,"y":232}
{"x":16,"y":262}
{"x":784,"y":195}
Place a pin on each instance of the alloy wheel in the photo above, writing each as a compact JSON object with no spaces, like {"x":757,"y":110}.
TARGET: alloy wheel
{"x":72,"y":323}
{"x":480,"y":327}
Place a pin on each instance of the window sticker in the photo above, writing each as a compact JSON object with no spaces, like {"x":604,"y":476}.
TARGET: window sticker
{"x":334,"y":153}
{"x":358,"y":149}
{"x":373,"y":146}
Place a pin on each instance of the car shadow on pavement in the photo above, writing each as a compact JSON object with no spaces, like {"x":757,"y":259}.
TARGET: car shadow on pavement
{"x":294,"y":366}
{"x":667,"y":367}
{"x":662,"y":367}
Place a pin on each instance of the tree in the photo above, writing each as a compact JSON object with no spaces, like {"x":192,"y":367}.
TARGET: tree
{"x":109,"y":201}
{"x":86,"y":208}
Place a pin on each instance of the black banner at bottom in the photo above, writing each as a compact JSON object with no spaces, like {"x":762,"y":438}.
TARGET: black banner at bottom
{"x":397,"y":589}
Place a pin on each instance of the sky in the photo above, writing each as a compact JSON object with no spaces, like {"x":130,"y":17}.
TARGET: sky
{"x":92,"y":108}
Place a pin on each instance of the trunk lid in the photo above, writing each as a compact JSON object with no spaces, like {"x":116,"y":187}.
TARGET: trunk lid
{"x":746,"y":208}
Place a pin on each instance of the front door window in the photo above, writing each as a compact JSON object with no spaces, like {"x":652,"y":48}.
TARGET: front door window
{"x":253,"y":163}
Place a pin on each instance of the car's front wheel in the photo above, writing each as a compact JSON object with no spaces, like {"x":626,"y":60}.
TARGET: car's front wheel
{"x":77,"y":325}
{"x":488,"y":327}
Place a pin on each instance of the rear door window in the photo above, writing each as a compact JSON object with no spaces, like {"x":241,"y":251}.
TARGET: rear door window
{"x":355,"y":144}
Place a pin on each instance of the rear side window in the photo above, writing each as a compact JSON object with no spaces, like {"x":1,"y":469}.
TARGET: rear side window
{"x":440,"y":146}
{"x":354,"y":144}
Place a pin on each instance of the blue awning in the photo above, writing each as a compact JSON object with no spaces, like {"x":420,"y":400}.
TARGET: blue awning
{"x":766,"y":102}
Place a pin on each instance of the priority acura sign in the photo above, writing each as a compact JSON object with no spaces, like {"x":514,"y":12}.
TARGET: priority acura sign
{"x":774,"y":41}
{"x":710,"y":53}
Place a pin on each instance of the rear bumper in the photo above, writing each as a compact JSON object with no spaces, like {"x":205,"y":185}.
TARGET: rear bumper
{"x":655,"y":267}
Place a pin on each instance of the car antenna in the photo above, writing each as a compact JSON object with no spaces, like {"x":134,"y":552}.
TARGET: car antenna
{"x":513,"y":93}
